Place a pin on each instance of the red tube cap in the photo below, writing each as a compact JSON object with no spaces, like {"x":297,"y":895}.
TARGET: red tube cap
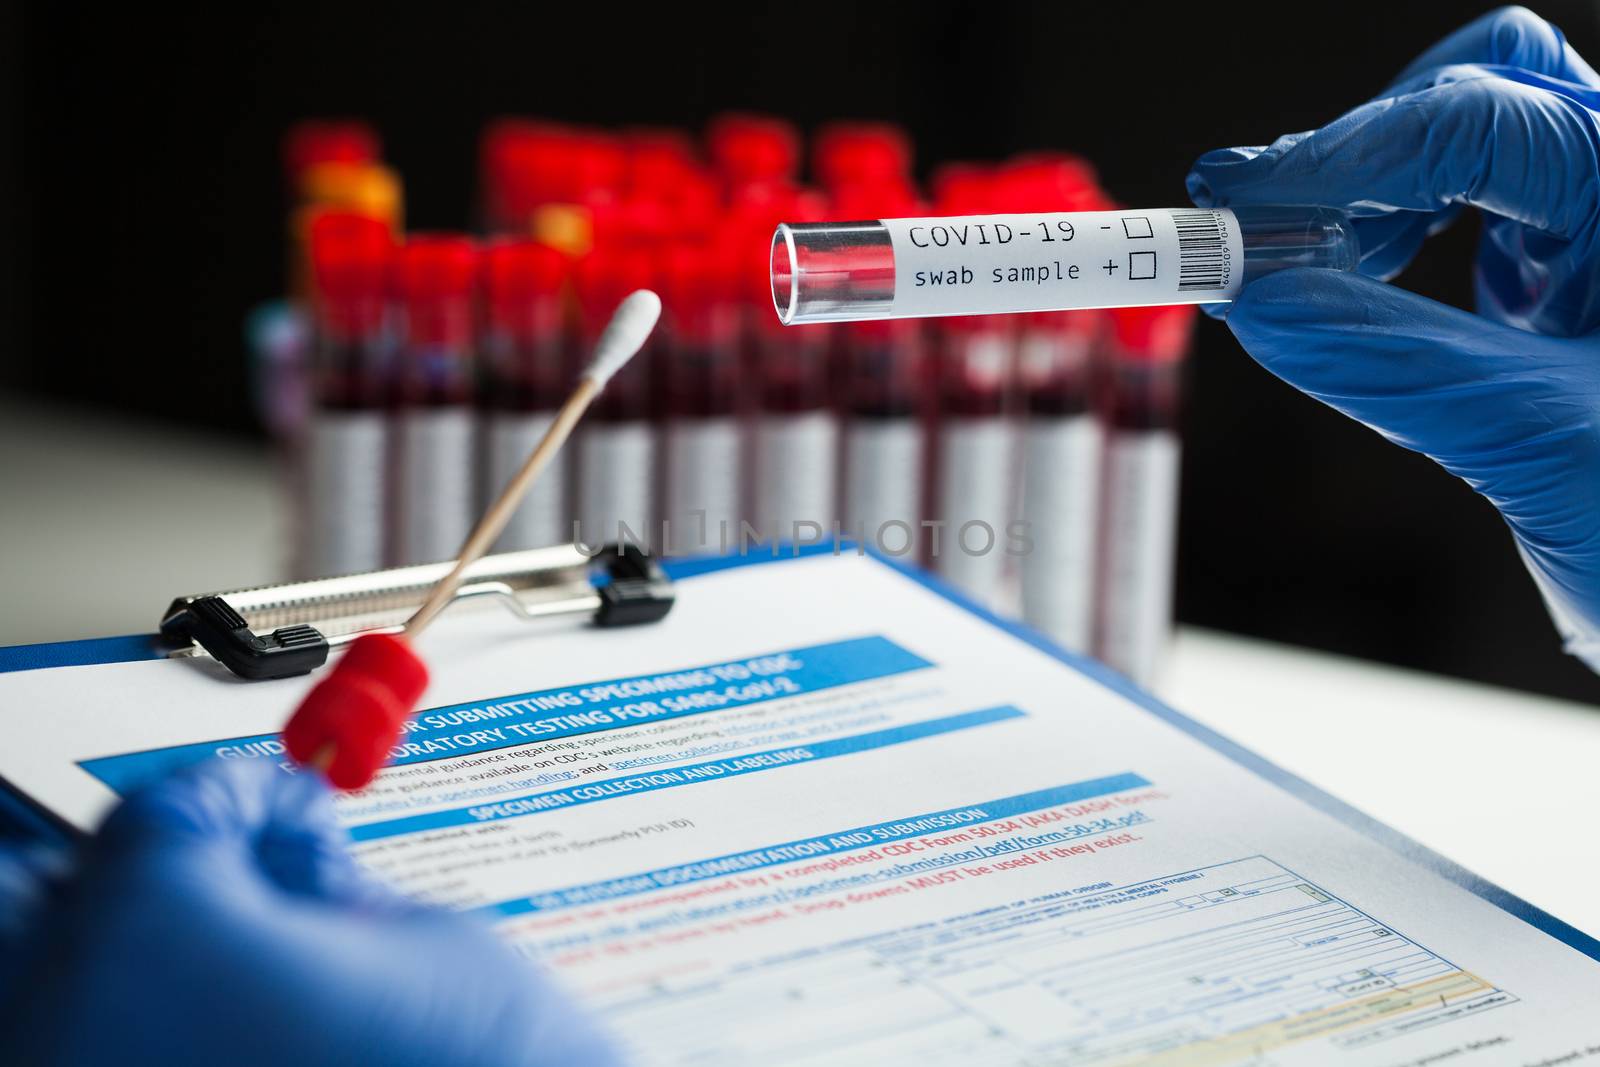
{"x":434,"y":277}
{"x":604,"y":277}
{"x":861,"y":153}
{"x":748,"y":149}
{"x":519,"y":277}
{"x":350,"y":259}
{"x":967,"y":189}
{"x":309,"y":143}
{"x":1051,"y":181}
{"x":353,"y":717}
{"x":658,"y":159}
{"x":434,"y":265}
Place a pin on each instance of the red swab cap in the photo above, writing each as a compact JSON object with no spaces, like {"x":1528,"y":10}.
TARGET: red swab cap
{"x":356,"y":712}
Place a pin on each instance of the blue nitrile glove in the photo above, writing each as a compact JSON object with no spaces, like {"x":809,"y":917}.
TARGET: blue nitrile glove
{"x":1504,"y":116}
{"x":218,"y":918}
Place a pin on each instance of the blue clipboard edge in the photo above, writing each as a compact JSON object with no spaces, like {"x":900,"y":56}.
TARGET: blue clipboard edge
{"x":31,"y":818}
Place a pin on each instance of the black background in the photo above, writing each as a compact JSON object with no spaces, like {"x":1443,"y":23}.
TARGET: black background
{"x":142,"y":217}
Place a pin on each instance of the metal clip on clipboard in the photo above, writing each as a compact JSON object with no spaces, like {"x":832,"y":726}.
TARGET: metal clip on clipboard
{"x":275,"y":631}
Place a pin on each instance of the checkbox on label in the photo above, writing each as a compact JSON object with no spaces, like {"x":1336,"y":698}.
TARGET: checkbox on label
{"x":1141,"y":266}
{"x":1137,"y":226}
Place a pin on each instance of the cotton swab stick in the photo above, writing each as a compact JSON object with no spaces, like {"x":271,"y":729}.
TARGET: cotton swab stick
{"x":350,"y":720}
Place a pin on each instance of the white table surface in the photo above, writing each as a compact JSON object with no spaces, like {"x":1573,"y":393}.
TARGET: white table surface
{"x":1505,"y":783}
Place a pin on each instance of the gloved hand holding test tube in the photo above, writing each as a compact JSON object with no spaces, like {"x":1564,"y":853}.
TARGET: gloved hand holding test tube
{"x":1502,"y":115}
{"x":1061,"y":261}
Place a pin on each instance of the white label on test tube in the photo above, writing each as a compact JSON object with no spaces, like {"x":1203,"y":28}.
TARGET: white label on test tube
{"x":1141,"y":526}
{"x":702,"y":475}
{"x":797,"y":460}
{"x":975,"y":467}
{"x":615,"y":473}
{"x":883,"y":483}
{"x":541,"y":518}
{"x":1081,"y":259}
{"x":436,"y":488}
{"x":344,"y":481}
{"x":1061,"y":505}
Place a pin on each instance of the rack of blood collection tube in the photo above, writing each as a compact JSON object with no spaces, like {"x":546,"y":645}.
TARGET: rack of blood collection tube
{"x":1029,"y":458}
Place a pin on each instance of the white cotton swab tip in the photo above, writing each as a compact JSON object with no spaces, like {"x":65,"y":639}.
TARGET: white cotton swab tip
{"x":624,"y":335}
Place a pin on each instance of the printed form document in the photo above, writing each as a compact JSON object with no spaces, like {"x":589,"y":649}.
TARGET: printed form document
{"x":825,"y":814}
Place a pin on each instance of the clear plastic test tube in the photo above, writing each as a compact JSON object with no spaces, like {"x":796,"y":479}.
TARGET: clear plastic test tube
{"x":1000,"y":264}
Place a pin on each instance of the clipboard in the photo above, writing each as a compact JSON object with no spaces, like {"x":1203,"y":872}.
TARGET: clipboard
{"x":290,"y":628}
{"x":559,"y":589}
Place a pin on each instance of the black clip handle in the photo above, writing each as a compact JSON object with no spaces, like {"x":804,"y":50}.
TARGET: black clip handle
{"x":211,"y":623}
{"x":639,"y":590}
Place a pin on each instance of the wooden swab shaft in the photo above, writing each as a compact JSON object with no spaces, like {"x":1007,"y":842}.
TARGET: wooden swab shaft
{"x":494,"y":520}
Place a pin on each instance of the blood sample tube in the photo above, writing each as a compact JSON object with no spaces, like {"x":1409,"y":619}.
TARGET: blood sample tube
{"x":974,"y":456}
{"x":1045,"y":261}
{"x":1063,"y":446}
{"x":1139,"y":519}
{"x":346,"y":437}
{"x":435,"y":487}
{"x":1059,"y":359}
{"x":887,"y":402}
{"x":974,"y":442}
{"x":616,"y":451}
{"x":698,"y":368}
{"x":795,"y":440}
{"x":329,"y":166}
{"x":886,"y":408}
{"x":525,"y":379}
{"x":794,"y":483}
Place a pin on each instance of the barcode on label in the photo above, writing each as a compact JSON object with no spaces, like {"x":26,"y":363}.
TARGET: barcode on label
{"x":1200,"y":249}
